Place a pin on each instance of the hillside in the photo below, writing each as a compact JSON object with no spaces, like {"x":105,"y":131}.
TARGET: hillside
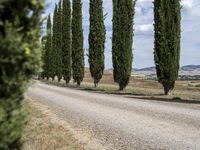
{"x":185,"y":70}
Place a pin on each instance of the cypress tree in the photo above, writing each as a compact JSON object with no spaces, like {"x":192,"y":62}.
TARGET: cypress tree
{"x":47,"y":60}
{"x":122,"y":41}
{"x":43,"y":48}
{"x":66,"y":40}
{"x":96,"y":40}
{"x":167,"y":17}
{"x":54,"y":45}
{"x":20,"y":59}
{"x":77,"y":43}
{"x":59,"y":42}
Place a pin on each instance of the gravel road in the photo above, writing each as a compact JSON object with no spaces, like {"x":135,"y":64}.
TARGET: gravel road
{"x":123,"y":123}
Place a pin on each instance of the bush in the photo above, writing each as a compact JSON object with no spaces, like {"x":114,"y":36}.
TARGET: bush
{"x":19,"y":60}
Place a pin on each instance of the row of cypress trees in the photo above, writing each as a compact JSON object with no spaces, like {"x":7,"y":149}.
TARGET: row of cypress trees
{"x":66,"y":47}
{"x":63,"y":50}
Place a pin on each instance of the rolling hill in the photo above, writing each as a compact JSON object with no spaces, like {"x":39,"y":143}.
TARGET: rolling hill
{"x":184,"y":70}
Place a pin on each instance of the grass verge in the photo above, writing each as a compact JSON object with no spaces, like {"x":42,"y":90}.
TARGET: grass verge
{"x":182,"y":93}
{"x":44,"y":133}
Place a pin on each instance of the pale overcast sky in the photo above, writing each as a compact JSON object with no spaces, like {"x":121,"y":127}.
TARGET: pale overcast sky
{"x":143,"y":39}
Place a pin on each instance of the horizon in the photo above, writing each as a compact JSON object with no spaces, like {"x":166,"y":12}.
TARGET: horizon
{"x":152,"y":67}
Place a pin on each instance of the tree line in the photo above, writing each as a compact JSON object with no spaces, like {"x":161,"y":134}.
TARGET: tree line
{"x":64,"y":53}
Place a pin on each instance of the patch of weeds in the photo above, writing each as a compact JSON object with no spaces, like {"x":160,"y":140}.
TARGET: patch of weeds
{"x":177,"y":98}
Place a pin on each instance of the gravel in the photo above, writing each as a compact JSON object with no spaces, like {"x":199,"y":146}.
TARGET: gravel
{"x":123,"y":123}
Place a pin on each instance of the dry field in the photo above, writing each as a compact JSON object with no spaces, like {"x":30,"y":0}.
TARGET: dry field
{"x":140,"y":88}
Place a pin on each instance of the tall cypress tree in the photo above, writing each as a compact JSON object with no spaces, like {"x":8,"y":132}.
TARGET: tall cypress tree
{"x":96,"y":40}
{"x":66,"y":40}
{"x":47,"y":60}
{"x":43,"y":48}
{"x":167,"y":17}
{"x":53,"y":53}
{"x":122,"y":41}
{"x":77,"y":43}
{"x":59,"y":42}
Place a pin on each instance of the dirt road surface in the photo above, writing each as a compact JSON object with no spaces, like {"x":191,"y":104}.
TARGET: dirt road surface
{"x":104,"y":121}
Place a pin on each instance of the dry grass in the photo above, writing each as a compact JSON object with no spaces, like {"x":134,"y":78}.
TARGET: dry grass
{"x":185,"y":90}
{"x":45,"y":133}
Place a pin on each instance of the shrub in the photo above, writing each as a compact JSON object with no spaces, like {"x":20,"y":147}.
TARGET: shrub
{"x":19,"y":60}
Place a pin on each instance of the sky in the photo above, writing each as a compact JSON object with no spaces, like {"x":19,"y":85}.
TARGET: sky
{"x":144,"y":34}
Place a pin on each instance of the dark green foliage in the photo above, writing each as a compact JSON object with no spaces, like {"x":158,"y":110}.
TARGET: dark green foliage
{"x":54,"y":51}
{"x":55,"y":47}
{"x":167,"y":17}
{"x":43,"y":51}
{"x":59,"y":42}
{"x":96,"y":40}
{"x":47,"y":49}
{"x":77,"y":43}
{"x":19,"y":59}
{"x":66,"y":40}
{"x":122,"y":40}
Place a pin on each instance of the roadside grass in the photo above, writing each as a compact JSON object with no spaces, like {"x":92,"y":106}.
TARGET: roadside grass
{"x":43,"y":133}
{"x":148,"y":89}
{"x":138,"y":88}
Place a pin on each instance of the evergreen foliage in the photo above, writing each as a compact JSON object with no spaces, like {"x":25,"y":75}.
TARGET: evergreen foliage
{"x":122,"y":40}
{"x":47,"y":50}
{"x":59,"y":66}
{"x":57,"y":42}
{"x":66,"y":40}
{"x":20,"y":58}
{"x":96,"y":40}
{"x":53,"y":54}
{"x":77,"y":43}
{"x":167,"y":17}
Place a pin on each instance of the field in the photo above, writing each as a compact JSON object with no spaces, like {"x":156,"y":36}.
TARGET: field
{"x":185,"y":91}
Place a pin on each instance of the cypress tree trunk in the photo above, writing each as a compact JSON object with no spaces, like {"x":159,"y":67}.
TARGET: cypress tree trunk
{"x":66,"y":40}
{"x":96,"y":40}
{"x":122,"y":41}
{"x":53,"y":54}
{"x":59,"y":42}
{"x":167,"y":17}
{"x":77,"y":43}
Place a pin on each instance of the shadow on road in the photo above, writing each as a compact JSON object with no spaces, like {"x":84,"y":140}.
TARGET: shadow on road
{"x":154,"y":97}
{"x":175,"y":100}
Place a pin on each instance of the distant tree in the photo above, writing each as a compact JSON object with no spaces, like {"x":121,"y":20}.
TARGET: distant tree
{"x":167,"y":18}
{"x":59,"y":42}
{"x":47,"y":50}
{"x":77,"y":43}
{"x":53,"y":54}
{"x":122,"y":41}
{"x":66,"y":40}
{"x":96,"y":40}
